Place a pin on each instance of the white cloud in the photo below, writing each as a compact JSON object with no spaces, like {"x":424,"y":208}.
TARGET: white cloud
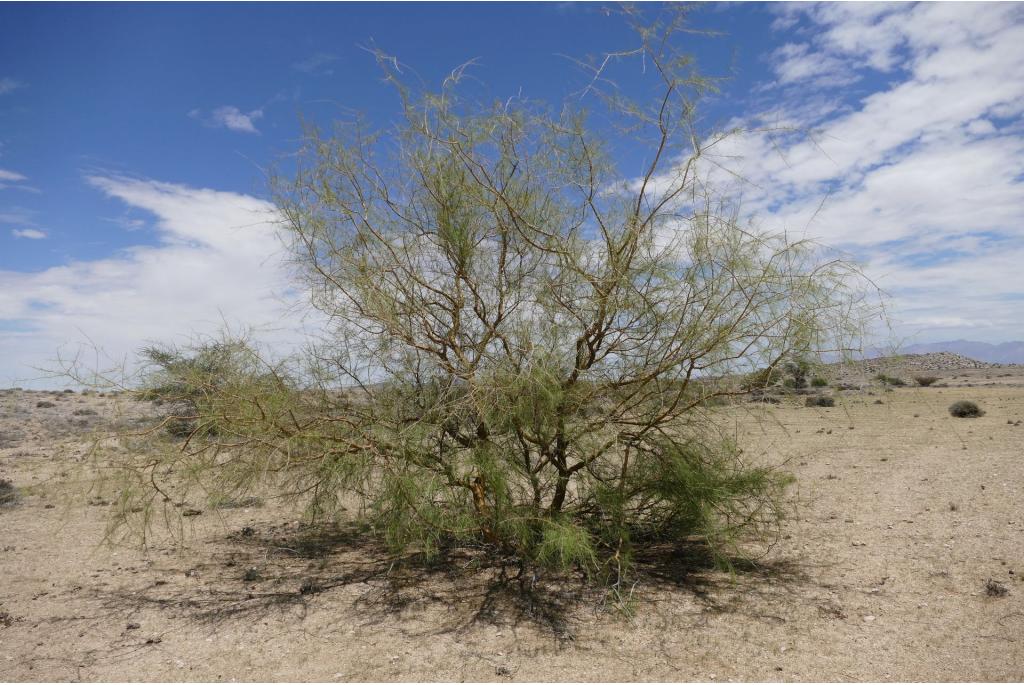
{"x":315,"y":62}
{"x":18,"y":216}
{"x":8,"y":85}
{"x":231,"y":118}
{"x":12,"y":179}
{"x":30,"y":233}
{"x":922,"y":178}
{"x":219,"y":258}
{"x":6,"y":175}
{"x":795,"y":62}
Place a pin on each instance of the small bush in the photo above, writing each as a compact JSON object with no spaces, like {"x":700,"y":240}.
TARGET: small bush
{"x":925,"y":381}
{"x":965,"y":409}
{"x":818,"y":382}
{"x":797,"y":371}
{"x":8,"y":493}
{"x":84,"y":412}
{"x":890,"y":380}
{"x":820,"y":401}
{"x":44,"y":404}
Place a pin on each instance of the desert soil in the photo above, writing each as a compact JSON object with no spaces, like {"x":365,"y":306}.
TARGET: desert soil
{"x":904,"y":515}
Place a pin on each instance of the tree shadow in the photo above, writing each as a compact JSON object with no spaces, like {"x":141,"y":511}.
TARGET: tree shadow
{"x":289,"y":570}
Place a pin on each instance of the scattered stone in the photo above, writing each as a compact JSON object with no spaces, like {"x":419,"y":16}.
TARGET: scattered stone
{"x":310,"y":586}
{"x":993,"y":588}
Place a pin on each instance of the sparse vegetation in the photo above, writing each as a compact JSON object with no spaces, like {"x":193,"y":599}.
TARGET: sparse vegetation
{"x":819,"y":382}
{"x":820,"y":401}
{"x":890,"y":380}
{"x":965,"y":409}
{"x":527,"y":350}
{"x":925,"y":381}
{"x":8,"y":493}
{"x":797,"y":370}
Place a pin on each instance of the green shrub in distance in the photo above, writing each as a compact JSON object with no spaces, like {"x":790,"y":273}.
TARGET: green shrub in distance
{"x":965,"y":409}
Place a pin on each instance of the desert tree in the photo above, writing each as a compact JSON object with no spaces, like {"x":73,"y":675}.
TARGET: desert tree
{"x":528,"y":345}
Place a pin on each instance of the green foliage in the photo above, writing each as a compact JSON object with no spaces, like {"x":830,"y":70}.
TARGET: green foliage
{"x":819,"y":382}
{"x":890,"y":380}
{"x":527,"y":348}
{"x":965,"y":409}
{"x":565,"y":544}
{"x":797,"y":369}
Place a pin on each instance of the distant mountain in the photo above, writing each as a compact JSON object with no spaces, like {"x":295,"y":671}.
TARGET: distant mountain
{"x":1003,"y":353}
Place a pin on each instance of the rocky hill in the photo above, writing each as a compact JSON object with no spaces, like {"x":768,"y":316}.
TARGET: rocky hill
{"x":931,"y":361}
{"x":1004,"y":353}
{"x":908,"y":365}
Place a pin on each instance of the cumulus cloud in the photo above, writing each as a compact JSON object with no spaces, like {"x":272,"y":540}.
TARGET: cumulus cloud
{"x":231,"y":118}
{"x":219,"y":260}
{"x":922,"y":178}
{"x":30,"y":233}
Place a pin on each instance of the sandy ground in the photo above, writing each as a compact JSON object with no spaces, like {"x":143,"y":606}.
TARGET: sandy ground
{"x":905,"y":514}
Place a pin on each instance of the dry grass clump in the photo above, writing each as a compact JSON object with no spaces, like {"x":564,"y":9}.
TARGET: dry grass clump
{"x":820,"y":401}
{"x":925,"y":381}
{"x":965,"y":409}
{"x":8,"y":493}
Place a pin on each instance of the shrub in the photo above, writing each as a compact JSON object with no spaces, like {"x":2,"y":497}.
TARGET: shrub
{"x":8,"y":493}
{"x":965,"y":409}
{"x":890,"y":380}
{"x":45,"y":404}
{"x":820,"y":401}
{"x":797,"y":370}
{"x":925,"y":381}
{"x":515,"y":336}
{"x":818,"y":382}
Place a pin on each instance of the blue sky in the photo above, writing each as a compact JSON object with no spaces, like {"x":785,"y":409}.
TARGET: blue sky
{"x":134,"y":139}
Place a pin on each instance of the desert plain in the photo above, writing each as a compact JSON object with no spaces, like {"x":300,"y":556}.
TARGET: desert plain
{"x":902,"y":560}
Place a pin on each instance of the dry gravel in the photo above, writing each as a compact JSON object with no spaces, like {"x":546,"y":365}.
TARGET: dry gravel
{"x":907,"y":517}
